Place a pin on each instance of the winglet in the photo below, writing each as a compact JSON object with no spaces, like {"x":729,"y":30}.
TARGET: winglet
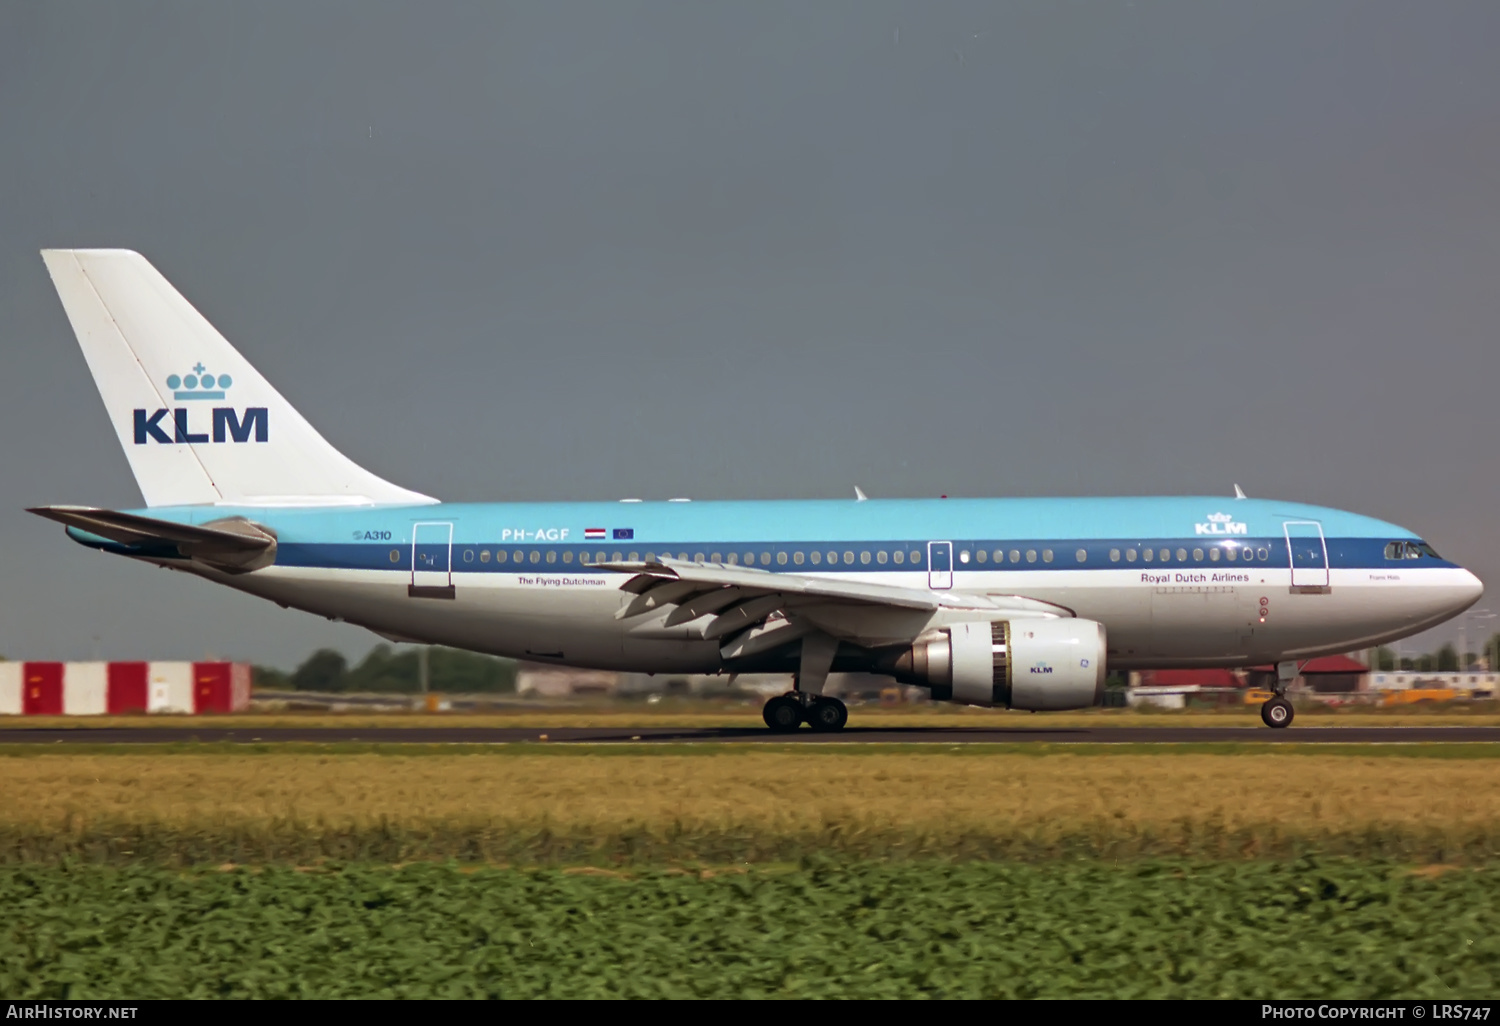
{"x":1239,"y":493}
{"x":859,"y":495}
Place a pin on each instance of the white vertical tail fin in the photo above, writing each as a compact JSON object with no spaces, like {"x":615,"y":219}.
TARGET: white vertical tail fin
{"x":198,"y":423}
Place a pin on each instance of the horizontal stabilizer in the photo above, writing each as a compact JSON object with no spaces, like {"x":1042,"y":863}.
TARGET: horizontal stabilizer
{"x":233,"y":544}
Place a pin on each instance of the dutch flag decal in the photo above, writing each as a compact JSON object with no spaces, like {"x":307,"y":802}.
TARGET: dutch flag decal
{"x":594,"y":533}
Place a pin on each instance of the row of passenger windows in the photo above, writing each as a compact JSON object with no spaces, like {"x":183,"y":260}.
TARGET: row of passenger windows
{"x":882,"y":557}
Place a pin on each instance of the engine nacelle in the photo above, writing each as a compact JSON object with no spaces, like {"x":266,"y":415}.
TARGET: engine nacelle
{"x":1020,"y":664}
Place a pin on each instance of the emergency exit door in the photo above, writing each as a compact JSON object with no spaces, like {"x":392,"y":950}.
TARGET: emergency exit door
{"x":1307,"y":551}
{"x":940,"y":564}
{"x":431,"y":561}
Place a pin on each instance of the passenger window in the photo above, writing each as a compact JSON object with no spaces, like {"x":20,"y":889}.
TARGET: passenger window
{"x":815,"y":556}
{"x":1262,"y":554}
{"x":635,"y":557}
{"x":1015,"y":555}
{"x":880,"y":557}
{"x":697,"y":557}
{"x":1046,"y":555}
{"x":898,"y":557}
{"x":864,"y":557}
{"x":1148,"y":554}
{"x":1197,"y":555}
{"x":552,"y":555}
{"x":1182,"y":555}
{"x":1130,"y":555}
{"x":749,"y":559}
{"x":500,"y":555}
{"x":797,"y":557}
{"x":981,"y":555}
{"x":833,"y":558}
{"x":651,"y":557}
{"x":1082,"y":555}
{"x":963,"y":555}
{"x":1114,"y":555}
{"x":484,"y":556}
{"x":1213,"y":555}
{"x":717,"y":557}
{"x":781,"y":559}
{"x":999,"y":556}
{"x":916,"y":556}
{"x":734,"y":559}
{"x":848,"y":557}
{"x":468,"y":555}
{"x":1166,"y":554}
{"x":536,"y":557}
{"x":568,"y":556}
{"x":1231,"y":553}
{"x":1031,"y":555}
{"x":765,"y":559}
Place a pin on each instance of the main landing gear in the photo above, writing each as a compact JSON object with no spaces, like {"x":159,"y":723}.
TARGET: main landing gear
{"x":1277,"y":712}
{"x":806,"y":703}
{"x":823,"y":713}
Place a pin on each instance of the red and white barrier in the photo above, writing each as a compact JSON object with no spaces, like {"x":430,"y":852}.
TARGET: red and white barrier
{"x":98,"y":689}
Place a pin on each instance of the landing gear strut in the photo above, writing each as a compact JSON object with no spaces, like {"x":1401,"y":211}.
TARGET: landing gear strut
{"x":1277,"y":712}
{"x":806,"y":703}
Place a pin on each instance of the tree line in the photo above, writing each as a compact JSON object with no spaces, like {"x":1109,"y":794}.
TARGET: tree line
{"x":384,"y":670}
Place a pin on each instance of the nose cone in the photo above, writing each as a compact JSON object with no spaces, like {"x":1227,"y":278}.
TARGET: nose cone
{"x":1470,"y":589}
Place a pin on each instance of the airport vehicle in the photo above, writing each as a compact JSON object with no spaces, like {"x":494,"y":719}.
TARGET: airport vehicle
{"x":1023,"y":603}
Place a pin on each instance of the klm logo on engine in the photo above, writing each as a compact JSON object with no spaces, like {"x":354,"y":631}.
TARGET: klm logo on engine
{"x":1041,"y":668}
{"x":174,"y":426}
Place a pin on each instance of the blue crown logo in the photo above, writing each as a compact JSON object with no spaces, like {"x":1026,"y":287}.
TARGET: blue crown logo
{"x":198,"y":385}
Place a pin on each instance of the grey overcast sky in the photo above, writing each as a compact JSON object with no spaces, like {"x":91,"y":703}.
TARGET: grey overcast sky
{"x":579,"y":250}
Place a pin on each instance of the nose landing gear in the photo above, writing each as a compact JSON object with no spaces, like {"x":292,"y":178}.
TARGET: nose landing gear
{"x":1277,"y":712}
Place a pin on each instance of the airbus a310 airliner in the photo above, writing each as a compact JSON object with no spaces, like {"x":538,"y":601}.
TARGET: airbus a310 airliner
{"x":1022,"y":603}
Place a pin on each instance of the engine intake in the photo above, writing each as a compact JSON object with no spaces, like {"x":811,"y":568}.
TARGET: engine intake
{"x":1024,"y":664}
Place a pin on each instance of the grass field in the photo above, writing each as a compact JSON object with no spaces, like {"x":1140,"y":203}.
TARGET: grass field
{"x":1324,"y":929}
{"x":735,"y":804}
{"x":742,"y":871}
{"x":747,"y":714}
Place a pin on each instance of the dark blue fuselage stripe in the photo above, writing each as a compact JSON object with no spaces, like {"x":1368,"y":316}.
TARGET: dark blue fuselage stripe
{"x":1343,"y":553}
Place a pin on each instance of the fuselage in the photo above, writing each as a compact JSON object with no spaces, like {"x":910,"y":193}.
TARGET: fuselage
{"x":1176,"y":582}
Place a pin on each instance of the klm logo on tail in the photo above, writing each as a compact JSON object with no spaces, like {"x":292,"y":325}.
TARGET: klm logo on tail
{"x":228,"y":424}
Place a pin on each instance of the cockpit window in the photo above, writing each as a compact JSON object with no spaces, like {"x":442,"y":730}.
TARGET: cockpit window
{"x":1410,"y":550}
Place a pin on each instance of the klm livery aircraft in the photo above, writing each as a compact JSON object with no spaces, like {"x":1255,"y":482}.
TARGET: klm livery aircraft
{"x":1023,"y":603}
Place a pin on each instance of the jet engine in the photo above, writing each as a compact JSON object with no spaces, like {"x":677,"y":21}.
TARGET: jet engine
{"x":1020,"y":664}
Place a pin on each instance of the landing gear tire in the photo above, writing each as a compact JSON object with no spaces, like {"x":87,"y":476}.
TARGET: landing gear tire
{"x":1277,"y":713}
{"x":827,"y":715}
{"x":783,"y":714}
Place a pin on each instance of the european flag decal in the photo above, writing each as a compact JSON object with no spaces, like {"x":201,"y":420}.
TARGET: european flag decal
{"x":624,"y":533}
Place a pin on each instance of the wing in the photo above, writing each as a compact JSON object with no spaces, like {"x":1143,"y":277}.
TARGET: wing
{"x":750,"y":611}
{"x":233,"y":544}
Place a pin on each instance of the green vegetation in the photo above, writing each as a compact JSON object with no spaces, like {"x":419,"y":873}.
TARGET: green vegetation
{"x":1330,"y":929}
{"x":384,"y":670}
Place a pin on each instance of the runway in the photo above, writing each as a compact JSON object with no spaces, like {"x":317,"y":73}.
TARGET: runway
{"x":742,"y":735}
